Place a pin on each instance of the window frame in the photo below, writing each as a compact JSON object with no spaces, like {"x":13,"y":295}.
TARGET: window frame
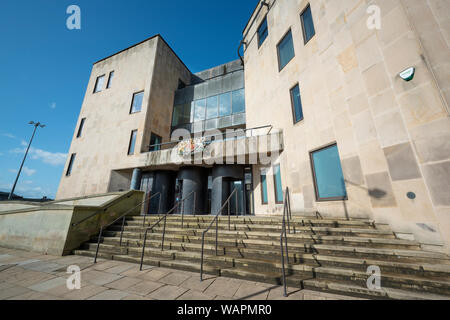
{"x":70,"y":165}
{"x":80,"y":128}
{"x":262,"y":190}
{"x":278,"y":49}
{"x":294,"y":117}
{"x":152,"y":134}
{"x":132,"y":101}
{"x":129,"y":144}
{"x":275,"y":184}
{"x":313,"y":169}
{"x":259,"y":27}
{"x":110,"y":78}
{"x":96,"y":83}
{"x":308,"y":6}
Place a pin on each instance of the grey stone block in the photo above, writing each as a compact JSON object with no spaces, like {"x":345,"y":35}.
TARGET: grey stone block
{"x":380,"y":190}
{"x":437,"y":177}
{"x":353,"y":171}
{"x":402,"y":162}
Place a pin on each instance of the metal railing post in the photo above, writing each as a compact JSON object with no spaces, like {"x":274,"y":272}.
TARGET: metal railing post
{"x":121,"y":232}
{"x":143,"y":249}
{"x":98,"y":244}
{"x":201,"y":260}
{"x":229,"y":220}
{"x":164,"y":233}
{"x":217,"y":233}
{"x":237,"y":203}
{"x":282,"y":266}
{"x":195,"y":200}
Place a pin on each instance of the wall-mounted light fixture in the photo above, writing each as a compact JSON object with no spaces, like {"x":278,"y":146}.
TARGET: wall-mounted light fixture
{"x":408,"y":74}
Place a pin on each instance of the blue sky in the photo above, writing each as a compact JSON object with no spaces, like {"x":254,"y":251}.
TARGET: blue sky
{"x":45,"y":67}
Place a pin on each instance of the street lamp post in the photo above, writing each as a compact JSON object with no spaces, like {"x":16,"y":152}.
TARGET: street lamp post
{"x":36,"y":125}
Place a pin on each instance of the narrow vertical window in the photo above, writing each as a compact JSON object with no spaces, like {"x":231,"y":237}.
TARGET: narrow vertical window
{"x":212,"y":110}
{"x":155,"y":142}
{"x":70,"y":166}
{"x":277,"y":184}
{"x":238,"y":101}
{"x":264,"y":196}
{"x":99,"y":84}
{"x":110,"y":79}
{"x":136,"y":104}
{"x":285,"y":50}
{"x":328,"y":176}
{"x":307,"y":24}
{"x":263,"y":32}
{"x":132,"y":142}
{"x":80,"y":128}
{"x":296,"y":102}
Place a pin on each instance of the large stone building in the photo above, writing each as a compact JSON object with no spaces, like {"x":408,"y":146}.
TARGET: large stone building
{"x":324,"y":102}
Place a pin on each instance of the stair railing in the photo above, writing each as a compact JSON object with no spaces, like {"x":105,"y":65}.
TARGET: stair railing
{"x":182,"y":207}
{"x":164,"y":228}
{"x":159,"y":205}
{"x":123,"y":217}
{"x":216,"y":220}
{"x":287,"y":215}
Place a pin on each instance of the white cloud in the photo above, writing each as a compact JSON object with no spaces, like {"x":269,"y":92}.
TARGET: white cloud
{"x":29,"y":172}
{"x":9,"y":135}
{"x":53,"y":105}
{"x":51,"y":158}
{"x":12,"y":170}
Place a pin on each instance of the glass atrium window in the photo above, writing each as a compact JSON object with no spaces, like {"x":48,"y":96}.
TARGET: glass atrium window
{"x":296,"y":104}
{"x":200,"y":110}
{"x":99,"y":84}
{"x":238,"y":101}
{"x":132,"y":142}
{"x":277,"y":184}
{"x":80,"y":129}
{"x":155,"y":140}
{"x":136,"y":105}
{"x":285,"y":50}
{"x":225,"y":104}
{"x":307,"y":24}
{"x":70,"y":166}
{"x":212,"y":110}
{"x":110,"y":79}
{"x":328,"y":176}
{"x":264,"y":197}
{"x":263,"y":32}
{"x":177,"y":115}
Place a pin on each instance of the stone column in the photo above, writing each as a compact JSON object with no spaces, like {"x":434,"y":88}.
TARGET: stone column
{"x":136,"y":179}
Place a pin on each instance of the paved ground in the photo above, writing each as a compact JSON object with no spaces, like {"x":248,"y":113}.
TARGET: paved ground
{"x":32,"y":276}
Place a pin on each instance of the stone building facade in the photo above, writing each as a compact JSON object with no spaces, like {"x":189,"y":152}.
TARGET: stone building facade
{"x":356,"y":140}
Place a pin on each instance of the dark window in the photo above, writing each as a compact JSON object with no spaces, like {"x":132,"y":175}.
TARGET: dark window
{"x":69,"y":168}
{"x":307,"y":24}
{"x":110,"y":79}
{"x":263,"y":32}
{"x":238,"y":101}
{"x":296,"y":101}
{"x":80,"y":128}
{"x":181,"y":84}
{"x":277,"y":184}
{"x":155,"y":142}
{"x":285,"y":50}
{"x":264,"y":197}
{"x":328,"y":177}
{"x":132,"y":142}
{"x":99,"y":84}
{"x":136,"y":105}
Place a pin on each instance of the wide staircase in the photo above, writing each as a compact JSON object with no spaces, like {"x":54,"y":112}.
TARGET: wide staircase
{"x":330,"y":255}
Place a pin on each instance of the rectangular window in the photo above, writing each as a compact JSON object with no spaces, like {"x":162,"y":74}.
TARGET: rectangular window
{"x":110,"y":79}
{"x":155,"y":140}
{"x":136,"y":104}
{"x":80,"y":128}
{"x":285,"y":50}
{"x":99,"y":84}
{"x":263,"y":32}
{"x":264,"y":196}
{"x":328,"y":177}
{"x":307,"y":24}
{"x":212,"y":110}
{"x":200,"y":110}
{"x":238,"y":101}
{"x":296,"y":102}
{"x":69,"y":168}
{"x":132,"y":142}
{"x":225,"y":104}
{"x":277,"y":184}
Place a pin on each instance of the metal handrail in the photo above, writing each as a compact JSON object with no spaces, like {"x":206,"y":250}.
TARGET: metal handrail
{"x":210,"y":136}
{"x":216,"y":219}
{"x":164,"y":229}
{"x":287,"y":215}
{"x":123,"y":216}
{"x":159,"y":205}
{"x":182,"y":208}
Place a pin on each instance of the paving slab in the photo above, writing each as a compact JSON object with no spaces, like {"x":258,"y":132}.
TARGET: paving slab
{"x":194,"y":295}
{"x":223,"y":287}
{"x":251,"y":292}
{"x":110,"y":294}
{"x":42,"y":266}
{"x":123,"y":283}
{"x":120,"y":268}
{"x":167,"y":292}
{"x":99,"y":278}
{"x":194,"y":283}
{"x":144,"y":287}
{"x":47,"y":285}
{"x":277,"y":294}
{"x":12,"y":292}
{"x":156,"y":274}
{"x":84,"y":293}
{"x":175,"y":278}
